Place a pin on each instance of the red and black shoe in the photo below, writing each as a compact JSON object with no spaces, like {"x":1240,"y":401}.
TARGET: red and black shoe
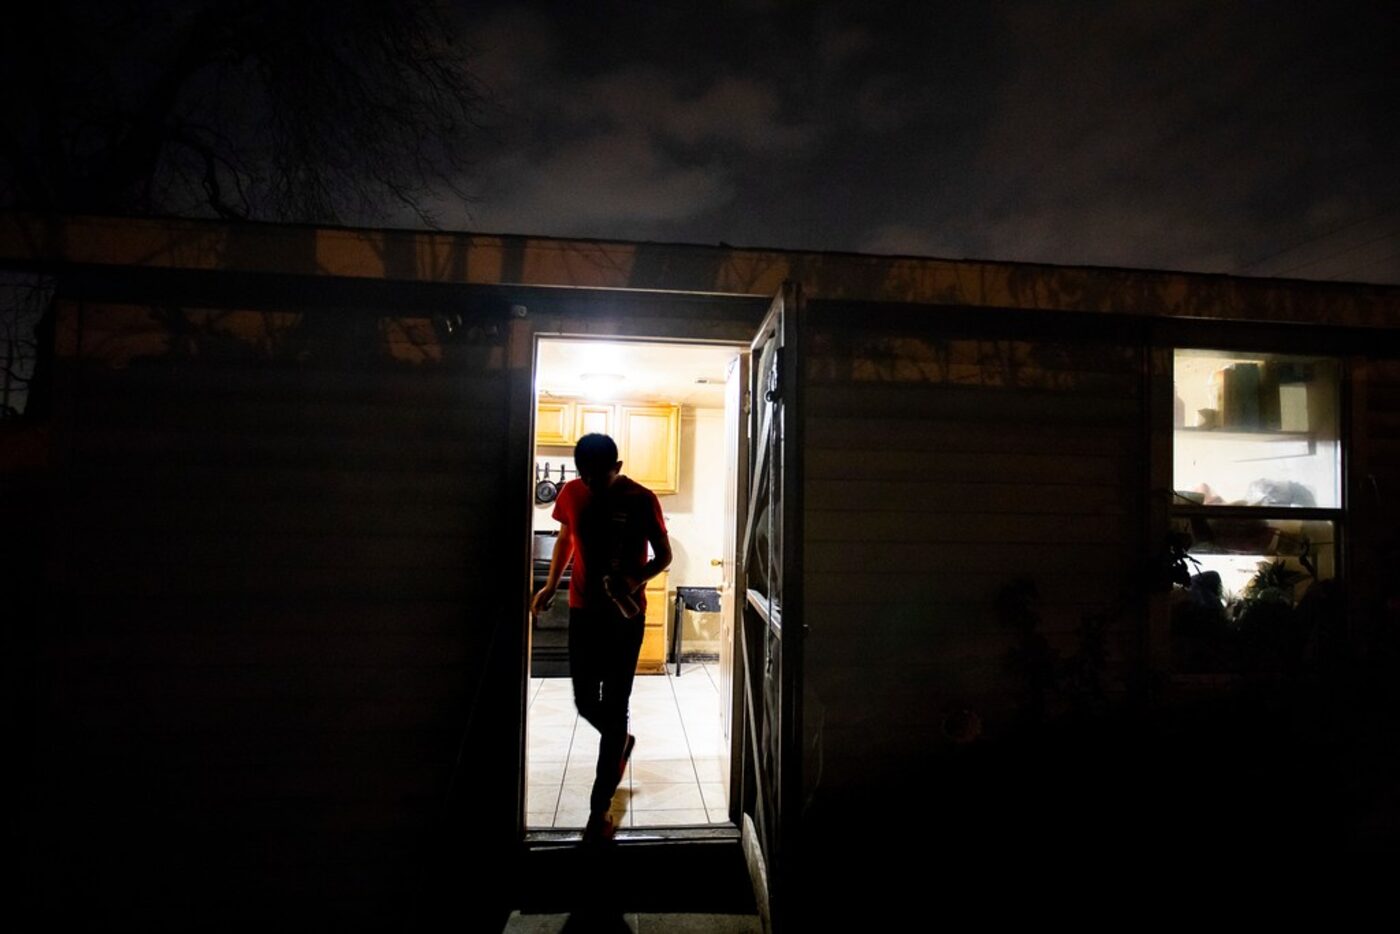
{"x":599,"y":829}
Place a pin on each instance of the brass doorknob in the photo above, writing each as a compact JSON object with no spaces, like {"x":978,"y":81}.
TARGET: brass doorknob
{"x":716,"y":562}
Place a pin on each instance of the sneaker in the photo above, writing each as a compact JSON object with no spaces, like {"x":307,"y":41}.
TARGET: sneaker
{"x":599,"y":829}
{"x":626,"y":754}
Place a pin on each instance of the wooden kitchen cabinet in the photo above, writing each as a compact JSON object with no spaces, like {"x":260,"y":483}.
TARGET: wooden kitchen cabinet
{"x":649,"y":443}
{"x":648,"y":436}
{"x":554,"y":423}
{"x":590,"y":417}
{"x":652,"y":659}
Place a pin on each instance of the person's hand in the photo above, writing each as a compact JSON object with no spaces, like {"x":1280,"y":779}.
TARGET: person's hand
{"x":617,"y":584}
{"x":541,"y":602}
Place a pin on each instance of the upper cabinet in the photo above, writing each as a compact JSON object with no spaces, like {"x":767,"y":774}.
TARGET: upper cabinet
{"x":554,"y":423}
{"x":648,"y":441}
{"x":648,"y":436}
{"x":592,"y":416}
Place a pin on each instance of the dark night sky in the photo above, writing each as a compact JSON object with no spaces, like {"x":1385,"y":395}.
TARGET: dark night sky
{"x":1255,"y":138}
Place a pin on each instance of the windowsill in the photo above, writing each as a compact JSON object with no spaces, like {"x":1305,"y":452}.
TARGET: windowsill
{"x":1249,"y":434}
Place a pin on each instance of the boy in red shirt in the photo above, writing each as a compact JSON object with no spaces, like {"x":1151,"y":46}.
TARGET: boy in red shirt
{"x":605,"y":520}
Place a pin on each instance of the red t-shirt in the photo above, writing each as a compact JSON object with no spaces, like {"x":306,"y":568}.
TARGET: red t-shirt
{"x":610,"y":532}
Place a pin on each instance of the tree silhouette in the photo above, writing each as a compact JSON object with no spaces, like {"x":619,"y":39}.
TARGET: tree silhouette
{"x":296,"y":110}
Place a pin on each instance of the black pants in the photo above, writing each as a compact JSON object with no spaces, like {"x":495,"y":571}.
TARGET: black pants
{"x":603,"y":650}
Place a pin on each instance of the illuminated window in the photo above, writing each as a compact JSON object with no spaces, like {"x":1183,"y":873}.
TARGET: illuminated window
{"x":1257,"y":468}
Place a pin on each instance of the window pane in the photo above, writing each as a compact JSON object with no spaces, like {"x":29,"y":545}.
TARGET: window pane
{"x":1256,"y":429}
{"x":1259,"y":594}
{"x":1235,"y":548}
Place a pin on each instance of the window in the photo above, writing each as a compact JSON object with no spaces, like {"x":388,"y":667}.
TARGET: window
{"x":1257,"y":475}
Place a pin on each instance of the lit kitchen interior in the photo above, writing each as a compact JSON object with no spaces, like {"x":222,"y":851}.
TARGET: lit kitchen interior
{"x":663,"y":403}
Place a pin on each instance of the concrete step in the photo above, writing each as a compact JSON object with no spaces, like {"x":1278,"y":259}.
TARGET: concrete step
{"x":633,"y":922}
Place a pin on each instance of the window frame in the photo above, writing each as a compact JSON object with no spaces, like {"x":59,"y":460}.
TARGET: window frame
{"x":1163,"y":423}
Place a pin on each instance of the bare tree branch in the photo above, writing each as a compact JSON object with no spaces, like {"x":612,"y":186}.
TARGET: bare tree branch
{"x":304,"y":110}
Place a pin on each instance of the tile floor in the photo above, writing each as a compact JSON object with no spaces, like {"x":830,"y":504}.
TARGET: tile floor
{"x":674,"y":778}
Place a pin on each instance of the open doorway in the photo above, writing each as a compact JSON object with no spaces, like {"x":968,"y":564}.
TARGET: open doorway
{"x":672,"y":408}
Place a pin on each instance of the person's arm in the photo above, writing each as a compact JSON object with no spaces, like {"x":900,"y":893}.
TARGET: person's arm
{"x":661,"y":545}
{"x":563,"y":551}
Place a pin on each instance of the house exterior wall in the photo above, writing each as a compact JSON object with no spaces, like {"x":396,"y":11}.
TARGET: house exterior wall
{"x":271,"y":585}
{"x":283,"y":600}
{"x":948,"y":458}
{"x":283,"y":564}
{"x":1374,"y":494}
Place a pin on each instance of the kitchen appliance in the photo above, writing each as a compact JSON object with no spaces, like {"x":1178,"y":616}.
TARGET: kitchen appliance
{"x":549,"y":633}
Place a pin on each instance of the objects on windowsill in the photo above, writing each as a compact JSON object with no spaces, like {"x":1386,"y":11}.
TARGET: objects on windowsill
{"x":1264,"y":492}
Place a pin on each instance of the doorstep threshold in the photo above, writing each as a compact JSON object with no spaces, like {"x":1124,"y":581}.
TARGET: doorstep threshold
{"x":634,"y":836}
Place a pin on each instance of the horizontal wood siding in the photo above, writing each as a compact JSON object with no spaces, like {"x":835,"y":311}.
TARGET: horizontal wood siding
{"x":940,"y":466}
{"x":277,"y":579}
{"x":1374,"y":516}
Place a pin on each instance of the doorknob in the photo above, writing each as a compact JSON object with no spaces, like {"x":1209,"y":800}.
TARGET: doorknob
{"x":716,"y":562}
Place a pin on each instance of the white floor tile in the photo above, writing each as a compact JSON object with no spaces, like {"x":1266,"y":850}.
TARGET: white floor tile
{"x":549,"y":742}
{"x":582,"y":762}
{"x":581,"y":770}
{"x":705,"y":737}
{"x":544,"y":772}
{"x":541,"y":797}
{"x":692,"y":677}
{"x":539,"y":819}
{"x":653,"y":749}
{"x":714,"y":795}
{"x":663,"y":770}
{"x":672,"y":817}
{"x":585,"y":737}
{"x":709,"y":769}
{"x":654,"y":740}
{"x":553,"y":705}
{"x":692,"y":712}
{"x":541,"y":754}
{"x":648,"y":796}
{"x":698,"y":701}
{"x":550,"y":719}
{"x":704,"y":740}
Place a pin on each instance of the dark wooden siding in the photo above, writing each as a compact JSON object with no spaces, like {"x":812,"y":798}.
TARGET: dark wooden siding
{"x":274,"y":577}
{"x":944,"y":462}
{"x":1374,"y":516}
